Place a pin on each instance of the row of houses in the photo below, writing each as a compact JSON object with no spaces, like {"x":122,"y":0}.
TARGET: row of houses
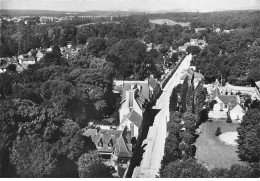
{"x":34,"y":55}
{"x":116,"y":143}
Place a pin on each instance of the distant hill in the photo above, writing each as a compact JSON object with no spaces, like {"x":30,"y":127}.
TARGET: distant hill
{"x":169,"y":22}
{"x":11,"y":12}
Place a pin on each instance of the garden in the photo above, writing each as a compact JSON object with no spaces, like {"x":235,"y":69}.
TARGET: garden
{"x":212,"y":151}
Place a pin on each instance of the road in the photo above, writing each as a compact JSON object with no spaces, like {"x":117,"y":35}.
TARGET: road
{"x":154,"y":150}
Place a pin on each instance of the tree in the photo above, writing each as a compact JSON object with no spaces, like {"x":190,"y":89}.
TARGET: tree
{"x":212,"y":103}
{"x":33,"y":158}
{"x":211,"y":72}
{"x":229,"y":120}
{"x":173,"y":100}
{"x":188,"y":168}
{"x":218,"y":131}
{"x":194,"y":50}
{"x":219,"y":173}
{"x":90,"y":165}
{"x":171,"y":149}
{"x":190,"y":98}
{"x":5,"y":85}
{"x":11,"y":68}
{"x":249,"y":136}
{"x":184,"y":91}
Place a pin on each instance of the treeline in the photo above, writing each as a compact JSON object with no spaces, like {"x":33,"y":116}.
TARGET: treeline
{"x":185,"y":116}
{"x":220,"y":19}
{"x":12,"y":13}
{"x":234,"y":56}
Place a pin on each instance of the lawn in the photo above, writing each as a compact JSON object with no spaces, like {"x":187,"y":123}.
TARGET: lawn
{"x":213,"y":152}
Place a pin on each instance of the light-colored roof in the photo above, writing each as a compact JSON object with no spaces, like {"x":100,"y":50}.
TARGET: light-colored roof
{"x":257,"y":84}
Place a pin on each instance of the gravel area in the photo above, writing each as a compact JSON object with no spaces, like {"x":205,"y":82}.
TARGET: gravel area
{"x":229,"y":138}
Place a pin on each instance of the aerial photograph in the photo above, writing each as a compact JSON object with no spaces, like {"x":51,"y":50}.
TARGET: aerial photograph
{"x":130,"y":89}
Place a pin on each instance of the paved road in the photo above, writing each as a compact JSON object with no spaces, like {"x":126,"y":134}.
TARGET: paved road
{"x":155,"y":140}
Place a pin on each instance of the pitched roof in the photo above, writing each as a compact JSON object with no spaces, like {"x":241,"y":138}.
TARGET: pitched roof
{"x":140,"y":99}
{"x":28,"y":59}
{"x":136,"y":118}
{"x":4,"y":66}
{"x":257,"y":84}
{"x":142,"y":87}
{"x":152,"y":82}
{"x":103,"y":138}
{"x":185,"y":75}
{"x":215,"y":93}
{"x":228,"y":99}
{"x":122,"y":149}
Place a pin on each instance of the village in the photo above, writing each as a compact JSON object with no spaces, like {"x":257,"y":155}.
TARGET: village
{"x":131,"y":96}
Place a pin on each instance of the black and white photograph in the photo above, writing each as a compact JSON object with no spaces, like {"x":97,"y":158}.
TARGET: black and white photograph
{"x":130,"y":89}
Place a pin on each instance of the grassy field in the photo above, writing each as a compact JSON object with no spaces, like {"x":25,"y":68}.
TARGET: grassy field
{"x":169,"y":22}
{"x":213,"y":152}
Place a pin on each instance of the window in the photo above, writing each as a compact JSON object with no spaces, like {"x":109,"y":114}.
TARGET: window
{"x":225,"y":106}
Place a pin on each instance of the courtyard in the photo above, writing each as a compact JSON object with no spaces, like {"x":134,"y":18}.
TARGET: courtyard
{"x":211,"y":151}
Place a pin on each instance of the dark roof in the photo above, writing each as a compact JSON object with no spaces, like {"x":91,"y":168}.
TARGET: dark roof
{"x":4,"y":66}
{"x":103,"y":138}
{"x":228,"y":99}
{"x":140,"y":99}
{"x":12,"y":60}
{"x":122,"y":149}
{"x":28,"y":59}
{"x":136,"y":118}
{"x":215,"y":93}
{"x":190,"y":73}
{"x":153,"y":83}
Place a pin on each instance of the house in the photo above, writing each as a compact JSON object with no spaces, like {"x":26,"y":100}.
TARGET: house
{"x":257,"y":85}
{"x":135,"y":95}
{"x":193,"y":42}
{"x":237,"y":113}
{"x":25,"y":60}
{"x":49,"y":50}
{"x":133,"y":120}
{"x":3,"y":65}
{"x":226,"y":31}
{"x":182,"y":48}
{"x":197,"y":77}
{"x":113,"y":145}
{"x":225,"y":102}
{"x":200,"y":29}
{"x":252,"y":91}
{"x":154,"y":87}
{"x":217,"y":30}
{"x":39,"y":55}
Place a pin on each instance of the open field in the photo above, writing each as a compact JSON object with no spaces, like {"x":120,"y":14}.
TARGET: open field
{"x":213,"y":152}
{"x":168,"y":22}
{"x":107,"y":22}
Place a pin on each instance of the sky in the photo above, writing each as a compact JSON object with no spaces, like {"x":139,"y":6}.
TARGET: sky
{"x":143,"y":5}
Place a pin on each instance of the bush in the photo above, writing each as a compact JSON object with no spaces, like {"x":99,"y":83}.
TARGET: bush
{"x":218,"y":131}
{"x":211,"y":104}
{"x":229,"y":120}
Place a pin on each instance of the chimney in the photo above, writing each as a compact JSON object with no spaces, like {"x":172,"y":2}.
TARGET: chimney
{"x":131,"y":97}
{"x":151,"y":76}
